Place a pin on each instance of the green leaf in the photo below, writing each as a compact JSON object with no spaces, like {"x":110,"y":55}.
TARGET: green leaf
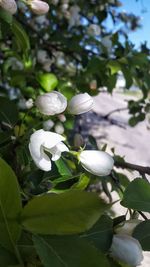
{"x":101,"y":233}
{"x":137,"y":195}
{"x":5,"y":16}
{"x":10,"y":207}
{"x":142,"y":233}
{"x":67,"y":213}
{"x":63,"y":168}
{"x":114,"y":66}
{"x":82,"y":183}
{"x":22,"y":39}
{"x":8,"y":111}
{"x":68,"y":252}
{"x":48,"y":81}
{"x":7,"y":258}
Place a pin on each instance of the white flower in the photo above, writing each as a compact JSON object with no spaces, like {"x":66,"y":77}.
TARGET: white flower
{"x":94,"y":30}
{"x":9,"y":5}
{"x":38,"y":7}
{"x":51,"y":103}
{"x":126,"y":249}
{"x":96,"y":162}
{"x":80,"y":103}
{"x":41,"y":141}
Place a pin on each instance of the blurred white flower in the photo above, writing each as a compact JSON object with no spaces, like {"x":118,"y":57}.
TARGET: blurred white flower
{"x":47,"y":125}
{"x":126,"y":249}
{"x":94,"y":30}
{"x":59,"y":128}
{"x":25,"y":104}
{"x":42,"y":141}
{"x":74,"y":16}
{"x":80,"y":103}
{"x":51,"y":103}
{"x":96,"y":162}
{"x":9,"y":5}
{"x":107,"y":43}
{"x":39,"y":7}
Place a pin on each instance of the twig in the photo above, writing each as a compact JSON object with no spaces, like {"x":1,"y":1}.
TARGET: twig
{"x":113,"y":111}
{"x":126,"y":165}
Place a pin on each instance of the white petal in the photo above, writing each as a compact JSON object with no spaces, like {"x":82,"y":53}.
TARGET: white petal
{"x":36,"y":141}
{"x":62,"y":147}
{"x":52,"y":139}
{"x":43,"y":162}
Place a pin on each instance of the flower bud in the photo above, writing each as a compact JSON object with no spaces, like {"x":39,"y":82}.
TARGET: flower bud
{"x":127,"y":227}
{"x":78,"y":140}
{"x":38,"y":7}
{"x":94,"y":30}
{"x":51,"y":103}
{"x":80,"y":103}
{"x":9,"y":5}
{"x":96,"y":162}
{"x":47,"y":125}
{"x":59,"y":128}
{"x":127,"y":250}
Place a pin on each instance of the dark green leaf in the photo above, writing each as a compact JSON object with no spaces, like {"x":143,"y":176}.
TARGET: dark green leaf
{"x":142,"y":233}
{"x":137,"y":195}
{"x":21,"y":36}
{"x":10,"y":206}
{"x":68,"y":252}
{"x":67,"y":213}
{"x":101,"y":233}
{"x":8,"y":111}
{"x":6,"y":258}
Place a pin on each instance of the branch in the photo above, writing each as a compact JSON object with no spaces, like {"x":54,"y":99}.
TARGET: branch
{"x":113,"y":111}
{"x":127,"y":165}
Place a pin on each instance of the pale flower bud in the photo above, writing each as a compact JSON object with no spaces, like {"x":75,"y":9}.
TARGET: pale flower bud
{"x":127,"y":227}
{"x":96,"y":162}
{"x":47,"y":125}
{"x":126,"y":249}
{"x":80,"y":103}
{"x":51,"y":103}
{"x":38,"y":7}
{"x":9,"y":5}
{"x":59,"y":128}
{"x":78,"y":140}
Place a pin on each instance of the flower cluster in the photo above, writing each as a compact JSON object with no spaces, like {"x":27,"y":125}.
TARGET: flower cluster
{"x":43,"y":141}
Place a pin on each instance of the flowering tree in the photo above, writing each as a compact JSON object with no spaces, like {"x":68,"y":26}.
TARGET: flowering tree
{"x":54,"y":57}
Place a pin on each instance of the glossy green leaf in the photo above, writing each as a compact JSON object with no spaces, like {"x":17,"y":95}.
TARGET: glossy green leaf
{"x":67,"y":213}
{"x":8,"y":111}
{"x":63,"y":168}
{"x":68,"y":252}
{"x":142,"y":233}
{"x":10,"y":206}
{"x":137,"y":195}
{"x":48,"y":81}
{"x":101,"y":234}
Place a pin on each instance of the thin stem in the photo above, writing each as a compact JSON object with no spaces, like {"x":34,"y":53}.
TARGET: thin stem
{"x":135,"y":167}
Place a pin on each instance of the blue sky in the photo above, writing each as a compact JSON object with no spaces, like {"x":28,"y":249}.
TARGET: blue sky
{"x":140,"y":8}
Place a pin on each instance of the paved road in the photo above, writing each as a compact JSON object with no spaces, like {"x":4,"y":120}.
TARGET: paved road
{"x":132,"y":143}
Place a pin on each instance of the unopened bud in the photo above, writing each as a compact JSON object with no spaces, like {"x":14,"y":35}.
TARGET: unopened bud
{"x":9,"y":5}
{"x":38,"y":7}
